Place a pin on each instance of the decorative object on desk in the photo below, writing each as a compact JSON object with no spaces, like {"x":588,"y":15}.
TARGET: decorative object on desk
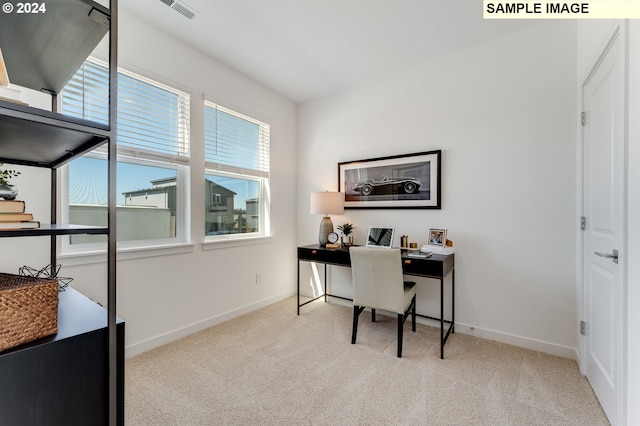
{"x":333,"y":238}
{"x":400,"y":181}
{"x":446,"y":248}
{"x":347,"y":229}
{"x":333,"y":246}
{"x":46,"y":272}
{"x":419,"y":255}
{"x":380,"y":237}
{"x":28,"y":309}
{"x":326,"y":203}
{"x":413,"y":245}
{"x":437,"y":237}
{"x":404,"y":241}
{"x":437,"y":250}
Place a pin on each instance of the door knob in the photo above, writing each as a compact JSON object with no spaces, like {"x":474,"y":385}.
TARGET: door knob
{"x":613,"y":256}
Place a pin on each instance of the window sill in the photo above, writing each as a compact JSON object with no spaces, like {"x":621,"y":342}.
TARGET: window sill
{"x":126,"y":253}
{"x":235,"y":242}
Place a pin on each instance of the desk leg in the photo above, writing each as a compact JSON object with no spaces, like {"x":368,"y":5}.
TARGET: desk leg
{"x":453,"y":297}
{"x":442,"y":318}
{"x":325,"y":283}
{"x":298,"y":287}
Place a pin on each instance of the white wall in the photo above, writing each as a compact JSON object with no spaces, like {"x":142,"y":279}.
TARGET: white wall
{"x":164,"y":297}
{"x":503,"y":112}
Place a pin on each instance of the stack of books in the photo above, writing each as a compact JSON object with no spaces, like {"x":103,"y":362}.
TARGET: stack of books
{"x":12,"y":216}
{"x":419,"y":255}
{"x":437,"y":249}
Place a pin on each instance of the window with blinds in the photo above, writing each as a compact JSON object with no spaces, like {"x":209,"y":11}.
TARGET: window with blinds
{"x":237,"y":173}
{"x":153,"y":156}
{"x":235,"y":143}
{"x":151,"y":117}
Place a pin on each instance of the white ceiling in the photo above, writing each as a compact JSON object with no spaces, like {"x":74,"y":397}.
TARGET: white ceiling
{"x":305,"y":49}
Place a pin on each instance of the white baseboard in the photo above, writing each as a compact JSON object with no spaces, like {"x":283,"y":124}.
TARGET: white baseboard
{"x":523,"y":342}
{"x":498,"y":336}
{"x":169,"y":337}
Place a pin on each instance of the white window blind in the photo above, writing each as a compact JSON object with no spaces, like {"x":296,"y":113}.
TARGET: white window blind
{"x":235,"y":143}
{"x":86,"y":95}
{"x":152,"y":119}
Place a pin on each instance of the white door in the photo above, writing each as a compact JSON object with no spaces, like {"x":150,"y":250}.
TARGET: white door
{"x":604,"y":236}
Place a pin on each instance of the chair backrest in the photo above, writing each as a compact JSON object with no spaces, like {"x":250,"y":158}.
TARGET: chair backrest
{"x":377,"y":278}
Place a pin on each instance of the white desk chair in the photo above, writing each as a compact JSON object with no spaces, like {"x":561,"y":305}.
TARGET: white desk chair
{"x":378,"y":284}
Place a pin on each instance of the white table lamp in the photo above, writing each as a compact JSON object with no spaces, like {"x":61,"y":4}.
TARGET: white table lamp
{"x":326,"y":203}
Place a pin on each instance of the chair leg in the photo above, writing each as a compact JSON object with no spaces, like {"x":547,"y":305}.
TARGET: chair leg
{"x":413,"y":314}
{"x":400,"y":327}
{"x":356,"y":312}
{"x":373,"y":315}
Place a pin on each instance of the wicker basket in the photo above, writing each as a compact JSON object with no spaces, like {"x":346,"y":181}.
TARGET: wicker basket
{"x":28,"y":309}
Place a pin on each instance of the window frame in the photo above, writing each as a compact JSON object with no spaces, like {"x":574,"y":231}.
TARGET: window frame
{"x":126,"y":154}
{"x":262,"y":209}
{"x":262,"y":178}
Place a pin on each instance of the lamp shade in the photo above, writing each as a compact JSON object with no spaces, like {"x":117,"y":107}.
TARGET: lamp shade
{"x":327,"y":202}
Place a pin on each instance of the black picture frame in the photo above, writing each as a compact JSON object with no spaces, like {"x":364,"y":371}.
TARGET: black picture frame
{"x":409,"y":181}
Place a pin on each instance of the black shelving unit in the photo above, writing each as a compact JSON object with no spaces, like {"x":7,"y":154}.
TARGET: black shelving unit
{"x":42,"y":52}
{"x":63,"y":379}
{"x":40,"y":138}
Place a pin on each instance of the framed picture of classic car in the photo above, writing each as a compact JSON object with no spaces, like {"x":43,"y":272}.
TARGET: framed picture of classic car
{"x":400,"y":181}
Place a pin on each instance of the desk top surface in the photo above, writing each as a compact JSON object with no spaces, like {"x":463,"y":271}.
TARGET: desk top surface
{"x":403,"y":252}
{"x":437,"y":265}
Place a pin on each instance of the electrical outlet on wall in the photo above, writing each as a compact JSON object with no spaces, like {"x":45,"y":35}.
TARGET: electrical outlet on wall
{"x":258,"y":278}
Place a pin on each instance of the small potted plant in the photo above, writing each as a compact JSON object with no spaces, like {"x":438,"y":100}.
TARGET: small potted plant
{"x":347,"y":229}
{"x":8,"y":191}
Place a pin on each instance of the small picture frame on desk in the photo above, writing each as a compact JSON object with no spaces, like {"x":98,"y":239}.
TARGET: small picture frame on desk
{"x":437,"y":237}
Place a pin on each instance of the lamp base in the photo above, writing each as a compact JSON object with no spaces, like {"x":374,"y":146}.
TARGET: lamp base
{"x":326,"y":227}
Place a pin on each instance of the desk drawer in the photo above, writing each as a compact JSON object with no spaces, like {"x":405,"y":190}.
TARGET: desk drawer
{"x":422,"y":267}
{"x":323,"y":255}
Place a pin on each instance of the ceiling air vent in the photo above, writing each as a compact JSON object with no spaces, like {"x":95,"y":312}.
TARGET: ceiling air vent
{"x":180,"y":7}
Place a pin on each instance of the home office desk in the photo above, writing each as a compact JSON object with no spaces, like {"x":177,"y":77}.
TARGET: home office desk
{"x":437,"y":266}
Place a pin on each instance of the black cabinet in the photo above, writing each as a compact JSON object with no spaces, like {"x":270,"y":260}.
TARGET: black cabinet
{"x":63,"y":379}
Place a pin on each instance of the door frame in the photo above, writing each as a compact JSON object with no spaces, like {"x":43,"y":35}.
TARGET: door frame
{"x":619,"y":31}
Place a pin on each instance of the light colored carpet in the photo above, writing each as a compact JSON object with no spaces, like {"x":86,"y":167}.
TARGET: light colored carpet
{"x":271,"y":367}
